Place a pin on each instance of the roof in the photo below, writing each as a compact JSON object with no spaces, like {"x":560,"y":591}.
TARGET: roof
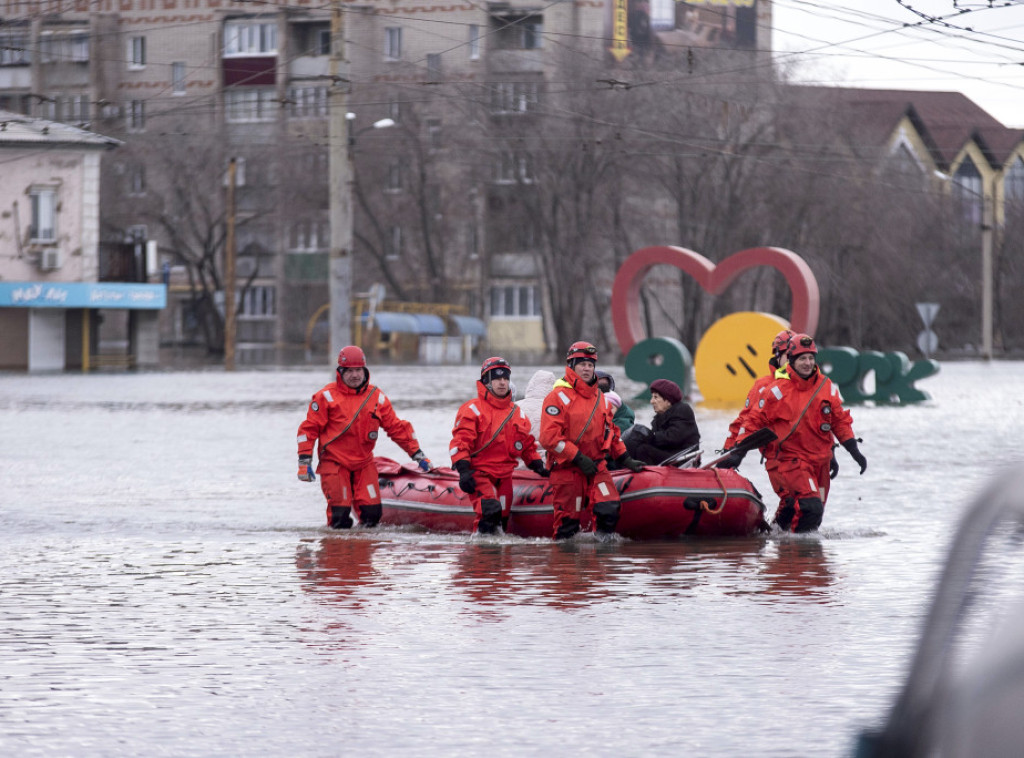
{"x":413,"y":323}
{"x":19,"y":130}
{"x":946,"y":120}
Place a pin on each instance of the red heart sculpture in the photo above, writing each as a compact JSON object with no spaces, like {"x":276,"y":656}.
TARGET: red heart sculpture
{"x":626,"y":291}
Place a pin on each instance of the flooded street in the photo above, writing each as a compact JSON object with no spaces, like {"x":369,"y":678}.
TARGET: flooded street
{"x":167,"y":587}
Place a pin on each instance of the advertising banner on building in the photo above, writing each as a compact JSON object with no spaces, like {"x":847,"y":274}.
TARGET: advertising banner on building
{"x":82,"y":295}
{"x":646,"y":32}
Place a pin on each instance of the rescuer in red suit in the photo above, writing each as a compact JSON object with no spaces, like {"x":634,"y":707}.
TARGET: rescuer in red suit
{"x":345,"y":418}
{"x":490,"y":433}
{"x":806,"y":413}
{"x":776,"y":370}
{"x":578,"y":433}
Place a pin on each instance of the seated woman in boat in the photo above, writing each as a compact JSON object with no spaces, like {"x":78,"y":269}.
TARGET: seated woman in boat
{"x":673,"y":430}
{"x":624,"y":416}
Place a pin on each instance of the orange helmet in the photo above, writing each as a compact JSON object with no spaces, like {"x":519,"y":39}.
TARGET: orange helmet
{"x":800,"y":344}
{"x":495,"y":368}
{"x":581,"y":350}
{"x":780,"y":344}
{"x":351,"y":357}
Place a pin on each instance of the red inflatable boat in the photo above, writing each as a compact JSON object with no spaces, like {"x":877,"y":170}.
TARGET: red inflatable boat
{"x":660,"y":502}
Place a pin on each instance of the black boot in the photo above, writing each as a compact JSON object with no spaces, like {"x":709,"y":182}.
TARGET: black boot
{"x":784,"y":516}
{"x":606,"y":516}
{"x":809,"y":514}
{"x":369,"y":515}
{"x":567,"y":528}
{"x":341,"y":517}
{"x":490,"y":516}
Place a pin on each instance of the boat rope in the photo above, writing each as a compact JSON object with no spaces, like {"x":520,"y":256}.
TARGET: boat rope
{"x":725,"y":495}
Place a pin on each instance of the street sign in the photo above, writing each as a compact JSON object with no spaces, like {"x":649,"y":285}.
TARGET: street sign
{"x":927,"y":342}
{"x":928,"y":313}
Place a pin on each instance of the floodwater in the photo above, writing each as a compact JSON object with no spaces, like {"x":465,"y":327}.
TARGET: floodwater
{"x":167,"y":588}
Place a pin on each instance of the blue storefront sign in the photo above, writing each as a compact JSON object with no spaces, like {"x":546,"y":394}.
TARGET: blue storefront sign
{"x":82,"y":295}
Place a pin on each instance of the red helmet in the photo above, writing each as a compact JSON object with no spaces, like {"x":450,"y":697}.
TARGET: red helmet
{"x":781,"y":342}
{"x":800,"y":344}
{"x":581,"y":350}
{"x":351,"y":357}
{"x":495,"y":368}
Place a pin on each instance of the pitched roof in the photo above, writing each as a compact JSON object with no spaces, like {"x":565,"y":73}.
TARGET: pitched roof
{"x":18,"y":130}
{"x":946,"y":120}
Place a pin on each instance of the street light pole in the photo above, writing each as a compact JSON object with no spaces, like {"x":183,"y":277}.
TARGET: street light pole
{"x":987,"y":224}
{"x":339,"y":271}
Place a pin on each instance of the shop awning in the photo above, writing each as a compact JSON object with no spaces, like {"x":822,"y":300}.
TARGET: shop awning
{"x":411,"y":323}
{"x":469,"y":326}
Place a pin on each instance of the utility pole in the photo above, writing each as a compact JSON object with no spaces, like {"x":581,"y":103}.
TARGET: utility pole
{"x":229,"y":273}
{"x":987,"y":224}
{"x":339,"y":270}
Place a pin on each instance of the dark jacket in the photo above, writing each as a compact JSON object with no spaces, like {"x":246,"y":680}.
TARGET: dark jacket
{"x":671,"y":431}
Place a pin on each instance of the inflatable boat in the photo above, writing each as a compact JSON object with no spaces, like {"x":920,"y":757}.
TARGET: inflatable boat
{"x":660,"y":502}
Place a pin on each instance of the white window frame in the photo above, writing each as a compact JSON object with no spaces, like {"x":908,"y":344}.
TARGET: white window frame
{"x":507,"y":302}
{"x":395,"y":177}
{"x":512,"y":167}
{"x":309,"y":235}
{"x":14,"y":49}
{"x":250,"y":104}
{"x":135,"y":115}
{"x":515,"y":97}
{"x":43,"y":222}
{"x":239,"y":172}
{"x":178,"y":83}
{"x":136,"y":53}
{"x":1013,"y":183}
{"x":247,"y":39}
{"x":307,"y":102}
{"x":393,"y":43}
{"x":394,"y":251}
{"x":322,"y":36}
{"x":474,"y":42}
{"x":137,"y":179}
{"x":259,"y":303}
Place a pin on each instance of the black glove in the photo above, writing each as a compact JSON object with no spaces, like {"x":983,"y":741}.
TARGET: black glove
{"x":626,"y":462}
{"x":833,"y":467}
{"x":585,"y":464}
{"x":466,"y":481}
{"x":733,"y":460}
{"x":537,"y":467}
{"x":854,"y":451}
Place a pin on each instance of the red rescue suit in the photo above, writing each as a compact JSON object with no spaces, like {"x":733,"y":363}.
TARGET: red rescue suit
{"x":491,"y":433}
{"x":576,"y":418}
{"x":740,"y":426}
{"x":346,"y":422}
{"x":806,"y":414}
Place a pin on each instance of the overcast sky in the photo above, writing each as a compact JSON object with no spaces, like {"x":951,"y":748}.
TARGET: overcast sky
{"x":972,"y":47}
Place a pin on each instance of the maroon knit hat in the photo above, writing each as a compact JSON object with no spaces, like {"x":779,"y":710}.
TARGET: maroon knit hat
{"x":668,"y":390}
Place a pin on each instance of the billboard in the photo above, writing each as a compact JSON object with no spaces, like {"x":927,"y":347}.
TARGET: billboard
{"x":645,"y":32}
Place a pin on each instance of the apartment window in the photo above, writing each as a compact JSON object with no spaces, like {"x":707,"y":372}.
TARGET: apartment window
{"x":395,"y":243}
{"x":307,"y":102}
{"x":514,"y":97}
{"x":434,"y":133}
{"x":244,"y":104}
{"x":533,"y":33}
{"x":79,"y":43}
{"x":433,"y":67}
{"x":472,"y":240}
{"x":63,"y":47}
{"x":137,"y":180}
{"x":323,"y":42}
{"x":395,"y":110}
{"x":968,"y":191}
{"x":513,"y":167}
{"x":178,"y":77}
{"x":259,"y":302}
{"x":245,"y":38}
{"x":44,"y":214}
{"x":136,"y":52}
{"x":522,"y":301}
{"x":393,"y":43}
{"x":519,"y":32}
{"x":309,"y":236}
{"x":14,"y":49}
{"x":136,"y":115}
{"x":394,"y":179}
{"x":239,"y":173}
{"x":474,"y":42}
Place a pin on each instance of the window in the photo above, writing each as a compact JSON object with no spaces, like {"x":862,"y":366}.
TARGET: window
{"x":393,"y":43}
{"x":472,"y":240}
{"x":239,"y":172}
{"x":137,"y":180}
{"x":14,"y":49}
{"x":474,"y":42}
{"x":307,"y":102}
{"x":433,"y":67}
{"x":245,"y":38}
{"x":136,"y":237}
{"x":522,"y":301}
{"x":258,"y":302}
{"x":1014,"y":182}
{"x":63,"y":47}
{"x":514,"y":97}
{"x":309,"y":236}
{"x":519,"y":32}
{"x":323,"y":42}
{"x":44,"y":215}
{"x":395,"y":243}
{"x":243,"y":104}
{"x":178,"y":77}
{"x":394,"y":181}
{"x":434,"y":133}
{"x":513,"y":167}
{"x":967,"y":191}
{"x":136,"y":52}
{"x":533,"y":32}
{"x":395,"y":110}
{"x":136,"y":115}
